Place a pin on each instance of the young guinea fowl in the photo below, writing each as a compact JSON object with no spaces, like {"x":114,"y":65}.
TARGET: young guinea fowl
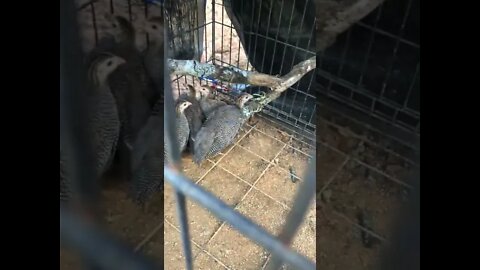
{"x":220,"y":129}
{"x":183,"y":130}
{"x":153,"y":55}
{"x":193,"y":113}
{"x":130,"y":86}
{"x":208,"y":104}
{"x":147,"y":169}
{"x":103,"y":121}
{"x":130,"y":83}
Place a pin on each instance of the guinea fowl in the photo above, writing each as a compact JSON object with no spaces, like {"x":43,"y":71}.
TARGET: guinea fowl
{"x":220,"y":129}
{"x":193,"y":113}
{"x":147,"y":169}
{"x":130,"y":85}
{"x":208,"y":104}
{"x":103,"y":122}
{"x":183,"y":130}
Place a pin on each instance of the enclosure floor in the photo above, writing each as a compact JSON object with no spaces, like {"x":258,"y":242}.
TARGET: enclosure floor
{"x":253,"y":176}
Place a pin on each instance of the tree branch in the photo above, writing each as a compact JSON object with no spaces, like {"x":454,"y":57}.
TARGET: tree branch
{"x":234,"y":75}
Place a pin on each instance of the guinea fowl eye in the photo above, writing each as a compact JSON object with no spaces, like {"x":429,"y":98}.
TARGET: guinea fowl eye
{"x":109,"y":63}
{"x":154,"y":27}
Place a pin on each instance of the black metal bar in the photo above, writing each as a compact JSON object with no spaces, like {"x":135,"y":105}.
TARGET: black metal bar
{"x":395,"y":50}
{"x":285,"y":50}
{"x":98,"y":247}
{"x":304,"y":197}
{"x":213,"y":30}
{"x":312,"y":37}
{"x":385,"y":33}
{"x":370,"y":46}
{"x":234,"y":219}
{"x":276,"y":36}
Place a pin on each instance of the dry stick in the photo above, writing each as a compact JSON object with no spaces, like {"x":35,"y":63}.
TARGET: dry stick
{"x":276,"y":84}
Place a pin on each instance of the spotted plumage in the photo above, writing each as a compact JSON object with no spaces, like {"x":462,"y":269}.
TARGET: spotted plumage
{"x":102,"y":119}
{"x":182,"y":128}
{"x":147,"y":165}
{"x":220,"y":129}
{"x":208,"y":104}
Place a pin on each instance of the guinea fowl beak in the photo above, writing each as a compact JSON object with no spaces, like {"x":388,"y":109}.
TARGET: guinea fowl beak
{"x":121,"y":61}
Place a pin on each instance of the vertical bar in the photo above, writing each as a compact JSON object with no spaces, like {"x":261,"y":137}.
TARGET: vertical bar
{"x":174,"y":156}
{"x":397,"y":43}
{"x":94,"y":20}
{"x":367,"y":57}
{"x":221,"y":40}
{"x":267,"y":36}
{"x":239,"y":41}
{"x":129,"y":10}
{"x":213,"y":31}
{"x":410,"y":89}
{"x":231,"y":39}
{"x":184,"y":231}
{"x":342,"y":60}
{"x":304,"y":196}
{"x":147,"y":39}
{"x":276,"y":38}
{"x":250,"y":33}
{"x":286,"y":44}
{"x":256,"y":31}
{"x":297,"y":84}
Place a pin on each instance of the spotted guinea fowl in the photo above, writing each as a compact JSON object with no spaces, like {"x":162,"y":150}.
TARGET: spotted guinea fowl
{"x":220,"y":129}
{"x":130,"y":84}
{"x":193,"y":113}
{"x":147,"y":151}
{"x":208,"y":104}
{"x":131,"y":87}
{"x":153,"y":55}
{"x":182,"y":128}
{"x":102,"y":119}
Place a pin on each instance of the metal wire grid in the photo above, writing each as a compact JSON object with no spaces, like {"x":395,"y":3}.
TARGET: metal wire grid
{"x":296,"y":109}
{"x":222,"y":211}
{"x":291,"y":109}
{"x":374,"y":67}
{"x":219,"y":208}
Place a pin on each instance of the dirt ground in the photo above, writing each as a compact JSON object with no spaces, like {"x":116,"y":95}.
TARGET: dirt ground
{"x":360,"y":186}
{"x":355,"y":206}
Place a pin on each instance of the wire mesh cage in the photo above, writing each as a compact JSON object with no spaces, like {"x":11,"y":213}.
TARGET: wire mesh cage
{"x":235,"y":36}
{"x":193,"y":36}
{"x":270,"y":38}
{"x":374,"y":69}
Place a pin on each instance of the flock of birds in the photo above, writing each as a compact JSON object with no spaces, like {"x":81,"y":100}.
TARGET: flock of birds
{"x":125,"y":112}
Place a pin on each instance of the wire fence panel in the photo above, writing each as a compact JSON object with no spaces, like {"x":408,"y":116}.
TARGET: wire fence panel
{"x":374,"y":68}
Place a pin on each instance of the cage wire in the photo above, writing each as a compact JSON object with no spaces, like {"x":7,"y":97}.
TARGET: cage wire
{"x":234,"y":36}
{"x":188,"y":35}
{"x":372,"y":72}
{"x":349,"y":74}
{"x":175,"y":12}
